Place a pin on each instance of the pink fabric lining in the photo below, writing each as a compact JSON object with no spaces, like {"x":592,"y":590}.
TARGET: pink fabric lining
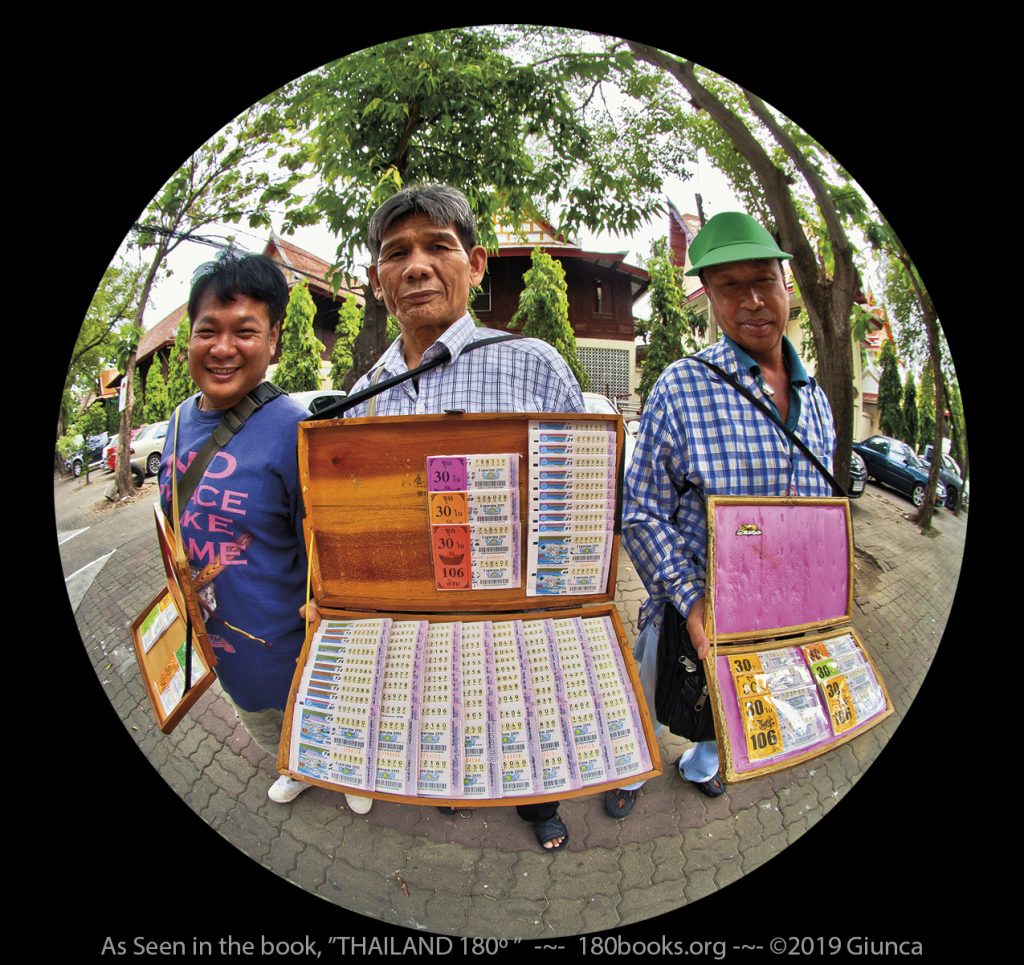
{"x":796,"y":571}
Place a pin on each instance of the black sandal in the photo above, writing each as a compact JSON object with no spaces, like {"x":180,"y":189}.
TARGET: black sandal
{"x":712,"y":787}
{"x":619,"y":803}
{"x":550,"y":829}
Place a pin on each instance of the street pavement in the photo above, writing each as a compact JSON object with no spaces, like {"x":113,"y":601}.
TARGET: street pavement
{"x":481,"y":872}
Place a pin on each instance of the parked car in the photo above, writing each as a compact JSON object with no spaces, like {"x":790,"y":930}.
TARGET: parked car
{"x":893,"y":463}
{"x":602,"y":405}
{"x":317,"y":399}
{"x":949,"y":473}
{"x":89,"y":456}
{"x":146,"y":450}
{"x":109,"y":459}
{"x":110,"y":453}
{"x":858,"y":476}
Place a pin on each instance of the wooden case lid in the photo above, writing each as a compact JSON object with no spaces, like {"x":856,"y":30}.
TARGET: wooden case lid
{"x":777,"y":565}
{"x":364,"y":485}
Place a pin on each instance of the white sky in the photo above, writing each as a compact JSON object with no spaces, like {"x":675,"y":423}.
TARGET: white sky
{"x":171,"y":292}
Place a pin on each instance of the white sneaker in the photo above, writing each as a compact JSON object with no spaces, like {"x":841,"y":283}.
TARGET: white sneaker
{"x":359,"y":805}
{"x":286,"y":789}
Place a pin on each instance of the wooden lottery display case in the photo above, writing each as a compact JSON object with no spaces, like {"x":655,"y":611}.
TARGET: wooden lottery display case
{"x":369,"y":533}
{"x":788,"y":676}
{"x":158,"y":635}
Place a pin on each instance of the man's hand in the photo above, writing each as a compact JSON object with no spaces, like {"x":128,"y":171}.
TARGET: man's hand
{"x":695,"y":627}
{"x":314,"y":613}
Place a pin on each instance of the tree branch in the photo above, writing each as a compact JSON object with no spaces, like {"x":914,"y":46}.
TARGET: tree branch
{"x":845,"y":279}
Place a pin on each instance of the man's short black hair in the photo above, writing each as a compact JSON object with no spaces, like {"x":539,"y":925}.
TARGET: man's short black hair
{"x":781,"y":264}
{"x":232,"y":274}
{"x":442,"y":204}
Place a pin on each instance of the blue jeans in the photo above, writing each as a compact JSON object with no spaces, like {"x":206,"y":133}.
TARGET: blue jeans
{"x":698,"y":763}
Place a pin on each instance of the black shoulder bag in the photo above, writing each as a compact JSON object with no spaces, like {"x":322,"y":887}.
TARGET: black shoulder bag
{"x":681,"y":688}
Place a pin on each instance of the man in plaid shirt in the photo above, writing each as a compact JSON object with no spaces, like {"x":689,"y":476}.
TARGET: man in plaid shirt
{"x":699,"y":436}
{"x":425,"y":261}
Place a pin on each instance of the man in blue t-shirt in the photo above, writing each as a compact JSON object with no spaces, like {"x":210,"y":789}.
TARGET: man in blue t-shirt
{"x":242,"y":525}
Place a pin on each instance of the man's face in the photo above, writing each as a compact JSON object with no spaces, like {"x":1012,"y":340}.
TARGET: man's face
{"x":423,"y":274}
{"x":229,"y":349}
{"x":751,"y":304}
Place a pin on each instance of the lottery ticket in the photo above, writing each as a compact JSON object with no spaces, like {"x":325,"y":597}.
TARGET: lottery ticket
{"x":496,"y":572}
{"x":494,"y":540}
{"x":156,"y":622}
{"x":516,"y":775}
{"x":474,"y":507}
{"x":473,"y":472}
{"x":544,"y":443}
{"x":569,"y":550}
{"x":578,"y":580}
{"x":578,"y":482}
{"x":481,"y":755}
{"x":781,"y":678}
{"x":572,"y":501}
{"x":867,"y":695}
{"x":545,"y":425}
{"x":497,"y":506}
{"x":801,"y":722}
{"x":590,"y":763}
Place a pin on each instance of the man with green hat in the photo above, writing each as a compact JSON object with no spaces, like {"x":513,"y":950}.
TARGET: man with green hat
{"x":699,"y":436}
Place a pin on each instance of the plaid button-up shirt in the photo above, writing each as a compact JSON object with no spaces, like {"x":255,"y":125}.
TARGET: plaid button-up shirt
{"x":699,"y":437}
{"x":521,"y":375}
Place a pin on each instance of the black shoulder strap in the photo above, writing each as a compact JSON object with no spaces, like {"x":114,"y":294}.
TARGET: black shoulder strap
{"x":233,"y":420}
{"x":351,"y":401}
{"x":837,"y":490}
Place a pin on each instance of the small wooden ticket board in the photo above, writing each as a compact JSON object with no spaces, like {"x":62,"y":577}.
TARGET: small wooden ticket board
{"x":375,"y":554}
{"x":158,"y":634}
{"x":789,"y":677}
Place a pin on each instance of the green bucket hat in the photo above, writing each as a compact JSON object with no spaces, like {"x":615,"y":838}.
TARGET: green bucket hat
{"x":731,"y":236}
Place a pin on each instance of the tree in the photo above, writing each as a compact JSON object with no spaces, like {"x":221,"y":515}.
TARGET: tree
{"x":299,"y":367}
{"x":926,"y":410}
{"x":910,"y":427}
{"x":111,"y":305}
{"x":792,"y":185}
{"x":226,"y":180}
{"x":543,"y":310}
{"x":350,"y":320}
{"x":890,"y":392}
{"x":179,"y":382}
{"x":457,"y":107}
{"x":672,"y":328}
{"x":155,"y":408}
{"x":905,"y":288}
{"x":958,"y":436}
{"x":138,"y":411}
{"x":113,"y":417}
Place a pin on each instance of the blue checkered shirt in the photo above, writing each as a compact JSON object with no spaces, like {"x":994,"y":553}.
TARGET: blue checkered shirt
{"x":521,"y":375}
{"x":698,"y":437}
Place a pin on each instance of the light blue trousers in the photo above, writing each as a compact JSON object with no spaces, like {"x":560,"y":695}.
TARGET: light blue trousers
{"x":698,"y":763}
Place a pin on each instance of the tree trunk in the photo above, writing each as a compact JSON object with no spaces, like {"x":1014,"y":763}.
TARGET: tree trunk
{"x":123,"y":469}
{"x":828,"y":301}
{"x":371,"y":341}
{"x":958,"y":445}
{"x":123,"y":473}
{"x":927,"y":509}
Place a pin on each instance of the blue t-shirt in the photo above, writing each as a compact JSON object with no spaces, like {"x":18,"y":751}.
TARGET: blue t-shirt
{"x":242,"y":531}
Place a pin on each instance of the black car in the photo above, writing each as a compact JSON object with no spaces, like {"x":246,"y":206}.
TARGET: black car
{"x":893,"y":462}
{"x":858,"y":476}
{"x":92,"y":454}
{"x":949,"y":473}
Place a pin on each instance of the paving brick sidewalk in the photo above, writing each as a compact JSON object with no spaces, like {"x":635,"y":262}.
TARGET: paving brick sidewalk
{"x":483,"y":873}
